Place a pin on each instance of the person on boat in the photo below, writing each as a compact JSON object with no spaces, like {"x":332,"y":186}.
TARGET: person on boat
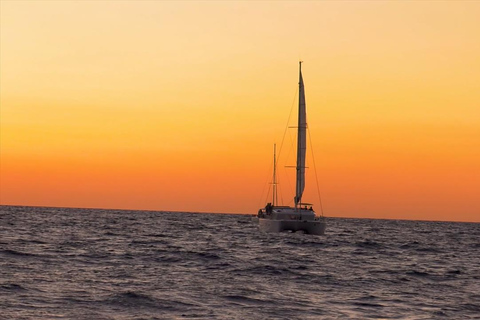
{"x":268,"y":208}
{"x":311,"y":209}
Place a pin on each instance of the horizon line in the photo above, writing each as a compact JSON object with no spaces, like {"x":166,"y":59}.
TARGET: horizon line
{"x":225,"y":213}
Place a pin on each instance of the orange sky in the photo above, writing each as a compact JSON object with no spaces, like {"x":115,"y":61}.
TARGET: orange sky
{"x":176,"y":105}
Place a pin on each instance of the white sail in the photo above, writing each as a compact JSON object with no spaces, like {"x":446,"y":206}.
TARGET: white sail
{"x":301,"y":140}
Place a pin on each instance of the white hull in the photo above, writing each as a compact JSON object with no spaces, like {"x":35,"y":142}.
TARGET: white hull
{"x":290,"y":219}
{"x":316,"y":227}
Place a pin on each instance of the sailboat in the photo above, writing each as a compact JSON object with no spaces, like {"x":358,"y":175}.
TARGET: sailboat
{"x":278,"y":218}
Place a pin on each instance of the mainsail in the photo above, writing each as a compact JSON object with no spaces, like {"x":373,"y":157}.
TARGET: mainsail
{"x":301,"y":140}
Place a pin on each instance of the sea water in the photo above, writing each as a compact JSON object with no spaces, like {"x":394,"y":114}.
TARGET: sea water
{"x":58,"y":263}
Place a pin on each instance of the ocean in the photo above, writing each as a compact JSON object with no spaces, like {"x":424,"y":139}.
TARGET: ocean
{"x":59,"y":263}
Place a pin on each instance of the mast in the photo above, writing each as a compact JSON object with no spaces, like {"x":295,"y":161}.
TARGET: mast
{"x":301,"y":140}
{"x":274,"y":193}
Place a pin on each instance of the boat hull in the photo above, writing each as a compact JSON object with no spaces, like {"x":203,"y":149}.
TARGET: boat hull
{"x":316,"y":227}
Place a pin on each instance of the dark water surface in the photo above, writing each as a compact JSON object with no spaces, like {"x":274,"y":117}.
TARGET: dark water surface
{"x":58,"y":263}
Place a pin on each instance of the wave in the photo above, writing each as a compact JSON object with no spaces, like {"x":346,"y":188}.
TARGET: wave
{"x":12,"y":287}
{"x":194,"y":255}
{"x":17,"y":253}
{"x":416,"y":273}
{"x":454,"y":272}
{"x":368,"y":244}
{"x":131,"y":298}
{"x":428,"y":249}
{"x":268,"y":270}
{"x":246,"y":300}
{"x":367,"y":301}
{"x":141,"y":301}
{"x":368,"y":304}
{"x":168,"y":259}
{"x":409,"y":245}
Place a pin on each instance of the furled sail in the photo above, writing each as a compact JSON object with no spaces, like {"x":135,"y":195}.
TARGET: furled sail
{"x":301,"y":140}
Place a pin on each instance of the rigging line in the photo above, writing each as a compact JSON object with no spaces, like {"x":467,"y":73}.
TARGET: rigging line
{"x":280,"y":150}
{"x":315,"y":169}
{"x":263,"y":191}
{"x":286,"y":127}
{"x":268,"y":191}
{"x":285,"y":134}
{"x":281,"y":194}
{"x":287,"y":172}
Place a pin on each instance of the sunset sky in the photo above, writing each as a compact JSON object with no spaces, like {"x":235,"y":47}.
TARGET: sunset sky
{"x":163,"y":105}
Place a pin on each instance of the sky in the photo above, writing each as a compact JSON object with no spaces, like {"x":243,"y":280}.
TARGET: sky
{"x":176,"y":105}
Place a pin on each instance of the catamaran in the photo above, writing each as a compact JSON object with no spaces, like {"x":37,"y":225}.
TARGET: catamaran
{"x":278,"y":218}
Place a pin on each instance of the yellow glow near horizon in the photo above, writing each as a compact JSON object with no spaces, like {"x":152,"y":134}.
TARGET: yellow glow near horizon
{"x":176,"y":105}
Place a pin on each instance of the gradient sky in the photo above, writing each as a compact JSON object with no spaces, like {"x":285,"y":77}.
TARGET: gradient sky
{"x":176,"y":105}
